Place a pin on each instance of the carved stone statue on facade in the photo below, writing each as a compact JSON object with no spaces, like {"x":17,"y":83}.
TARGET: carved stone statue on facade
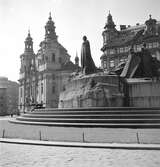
{"x":87,"y":63}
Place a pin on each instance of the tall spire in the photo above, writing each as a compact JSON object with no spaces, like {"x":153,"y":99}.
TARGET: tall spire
{"x":28,"y":42}
{"x":50,"y":17}
{"x":50,"y":29}
{"x":29,"y":35}
{"x":110,"y":23}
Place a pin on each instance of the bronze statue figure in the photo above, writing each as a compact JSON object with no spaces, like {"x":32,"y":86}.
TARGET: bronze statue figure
{"x":87,"y":63}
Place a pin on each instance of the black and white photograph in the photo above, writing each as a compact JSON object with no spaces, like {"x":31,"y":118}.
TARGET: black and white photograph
{"x":79,"y":83}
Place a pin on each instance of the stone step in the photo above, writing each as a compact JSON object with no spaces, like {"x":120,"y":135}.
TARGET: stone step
{"x":97,"y":109}
{"x":93,"y":116}
{"x":90,"y":125}
{"x":96,"y":112}
{"x":128,"y":117}
{"x":78,"y":120}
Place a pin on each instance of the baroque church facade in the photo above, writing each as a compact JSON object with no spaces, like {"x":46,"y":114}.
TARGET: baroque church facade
{"x":43,"y":75}
{"x":116,"y":44}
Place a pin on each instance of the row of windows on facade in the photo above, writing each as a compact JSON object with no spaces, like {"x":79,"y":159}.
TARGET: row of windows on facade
{"x":112,"y":63}
{"x":136,"y":48}
{"x":122,"y":60}
{"x":53,"y":77}
{"x":28,"y":47}
{"x":46,"y":59}
{"x":42,"y":90}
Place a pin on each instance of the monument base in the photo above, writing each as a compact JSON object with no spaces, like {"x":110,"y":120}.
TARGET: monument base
{"x":94,"y":90}
{"x":142,"y":92}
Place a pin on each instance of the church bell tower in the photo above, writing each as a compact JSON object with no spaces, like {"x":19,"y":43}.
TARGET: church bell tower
{"x":50,"y":29}
{"x":27,"y":73}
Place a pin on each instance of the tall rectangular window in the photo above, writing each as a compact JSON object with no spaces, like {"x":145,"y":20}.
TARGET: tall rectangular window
{"x":53,"y":57}
{"x":41,"y":88}
{"x":118,"y":50}
{"x":150,"y":45}
{"x":53,"y":89}
{"x":126,"y":49}
{"x":105,"y":64}
{"x":121,"y":50}
{"x":138,"y":47}
{"x":21,"y":92}
{"x":112,"y":51}
{"x":112,"y":63}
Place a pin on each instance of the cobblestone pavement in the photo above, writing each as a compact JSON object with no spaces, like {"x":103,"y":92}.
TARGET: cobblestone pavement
{"x":14,"y":155}
{"x":7,"y":117}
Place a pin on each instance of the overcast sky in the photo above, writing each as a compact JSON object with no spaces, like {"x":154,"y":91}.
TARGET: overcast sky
{"x":73,"y":19}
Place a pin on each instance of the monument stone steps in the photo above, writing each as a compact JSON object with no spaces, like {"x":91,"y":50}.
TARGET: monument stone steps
{"x":95,"y":116}
{"x":96,"y":109}
{"x":129,"y":117}
{"x":96,"y":112}
{"x":91,"y":120}
{"x":91,"y":125}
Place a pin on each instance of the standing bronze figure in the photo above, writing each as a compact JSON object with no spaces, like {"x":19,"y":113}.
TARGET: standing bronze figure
{"x":87,"y":63}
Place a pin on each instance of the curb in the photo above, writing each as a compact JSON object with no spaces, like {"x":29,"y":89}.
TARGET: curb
{"x":83,"y":145}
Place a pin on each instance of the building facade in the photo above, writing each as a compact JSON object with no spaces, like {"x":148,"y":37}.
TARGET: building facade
{"x":43,"y":75}
{"x":3,"y":100}
{"x":8,"y":96}
{"x":116,"y":44}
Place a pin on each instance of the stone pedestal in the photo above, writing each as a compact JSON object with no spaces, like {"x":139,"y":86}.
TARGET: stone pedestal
{"x":80,"y":92}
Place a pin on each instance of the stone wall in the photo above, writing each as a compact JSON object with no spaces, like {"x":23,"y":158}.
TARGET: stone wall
{"x":143,"y":93}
